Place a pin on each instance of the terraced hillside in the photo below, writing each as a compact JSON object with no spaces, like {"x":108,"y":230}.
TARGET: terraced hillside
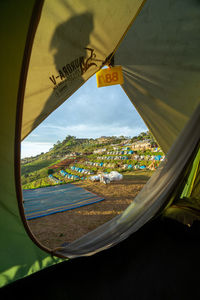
{"x":78,"y":159}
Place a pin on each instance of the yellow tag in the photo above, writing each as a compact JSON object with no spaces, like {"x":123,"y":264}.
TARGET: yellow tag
{"x":110,"y":76}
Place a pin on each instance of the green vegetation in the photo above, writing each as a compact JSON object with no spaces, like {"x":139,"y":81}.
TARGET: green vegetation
{"x":36,"y":165}
{"x":35,"y":170}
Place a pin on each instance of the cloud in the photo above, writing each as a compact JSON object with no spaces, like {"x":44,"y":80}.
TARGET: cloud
{"x":87,"y":131}
{"x":33,"y":148}
{"x":90,"y":105}
{"x":90,"y":113}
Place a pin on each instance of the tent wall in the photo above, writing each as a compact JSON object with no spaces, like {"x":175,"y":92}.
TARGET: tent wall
{"x":161,"y":66}
{"x":19,"y":256}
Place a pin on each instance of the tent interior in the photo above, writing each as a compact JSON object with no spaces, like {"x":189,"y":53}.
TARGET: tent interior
{"x":51,"y":48}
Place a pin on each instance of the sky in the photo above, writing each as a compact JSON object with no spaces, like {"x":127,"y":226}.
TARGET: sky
{"x":91,"y":112}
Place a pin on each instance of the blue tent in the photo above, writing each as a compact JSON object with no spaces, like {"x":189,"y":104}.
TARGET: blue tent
{"x":142,"y":167}
{"x":158,"y":157}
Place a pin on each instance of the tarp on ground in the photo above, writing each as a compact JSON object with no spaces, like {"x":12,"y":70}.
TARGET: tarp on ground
{"x":50,"y":200}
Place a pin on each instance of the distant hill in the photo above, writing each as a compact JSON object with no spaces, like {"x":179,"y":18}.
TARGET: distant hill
{"x":36,"y":169}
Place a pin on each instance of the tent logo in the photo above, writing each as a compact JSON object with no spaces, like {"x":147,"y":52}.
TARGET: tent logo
{"x":89,"y":62}
{"x":75,"y":69}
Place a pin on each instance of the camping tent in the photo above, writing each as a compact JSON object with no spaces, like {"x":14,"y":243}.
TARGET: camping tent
{"x":48,"y":50}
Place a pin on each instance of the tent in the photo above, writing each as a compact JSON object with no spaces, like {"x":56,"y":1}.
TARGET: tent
{"x":48,"y":50}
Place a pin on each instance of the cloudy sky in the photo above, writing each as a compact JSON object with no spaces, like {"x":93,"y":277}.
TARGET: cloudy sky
{"x":91,"y":112}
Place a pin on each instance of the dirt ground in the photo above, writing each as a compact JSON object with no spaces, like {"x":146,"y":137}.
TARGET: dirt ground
{"x":54,"y":230}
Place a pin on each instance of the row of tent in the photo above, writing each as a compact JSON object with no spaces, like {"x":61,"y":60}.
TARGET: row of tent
{"x":112,"y":157}
{"x":149,"y":157}
{"x":136,"y":157}
{"x":96,"y":164}
{"x":136,"y":167}
{"x":54,"y":179}
{"x":68,"y":175}
{"x":110,"y":165}
{"x":125,"y":166}
{"x":81,"y":170}
{"x":121,"y":152}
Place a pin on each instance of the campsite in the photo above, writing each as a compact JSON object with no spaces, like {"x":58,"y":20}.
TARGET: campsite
{"x":131,"y":228}
{"x":76,"y":211}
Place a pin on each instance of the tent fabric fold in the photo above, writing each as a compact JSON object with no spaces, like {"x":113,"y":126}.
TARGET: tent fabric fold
{"x":161,"y":66}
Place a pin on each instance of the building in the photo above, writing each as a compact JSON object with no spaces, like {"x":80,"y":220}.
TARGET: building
{"x":141,"y":145}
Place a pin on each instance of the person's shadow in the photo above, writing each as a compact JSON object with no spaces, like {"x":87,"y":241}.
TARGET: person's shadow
{"x":72,"y":58}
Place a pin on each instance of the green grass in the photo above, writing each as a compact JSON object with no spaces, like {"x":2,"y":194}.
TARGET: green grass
{"x":33,"y":172}
{"x":36,"y":165}
{"x":138,"y":175}
{"x":43,"y":182}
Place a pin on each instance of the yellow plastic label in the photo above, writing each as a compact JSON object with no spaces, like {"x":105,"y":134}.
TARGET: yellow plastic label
{"x":110,"y":76}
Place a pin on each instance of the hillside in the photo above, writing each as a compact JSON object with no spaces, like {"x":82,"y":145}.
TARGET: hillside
{"x":80,"y":158}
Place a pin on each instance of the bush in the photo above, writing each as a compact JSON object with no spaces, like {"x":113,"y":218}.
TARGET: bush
{"x":108,"y":170}
{"x":50,"y":171}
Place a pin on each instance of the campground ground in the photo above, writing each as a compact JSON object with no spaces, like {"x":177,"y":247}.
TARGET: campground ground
{"x":54,"y":230}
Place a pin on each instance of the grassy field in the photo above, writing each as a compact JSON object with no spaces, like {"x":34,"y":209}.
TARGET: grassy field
{"x":35,"y":174}
{"x":37,"y":165}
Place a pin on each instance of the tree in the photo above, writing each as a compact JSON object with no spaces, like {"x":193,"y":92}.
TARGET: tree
{"x":143,"y":134}
{"x":50,"y":171}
